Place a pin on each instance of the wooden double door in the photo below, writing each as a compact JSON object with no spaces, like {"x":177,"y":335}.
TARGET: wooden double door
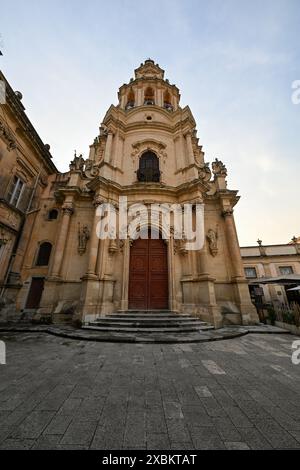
{"x":148,"y":275}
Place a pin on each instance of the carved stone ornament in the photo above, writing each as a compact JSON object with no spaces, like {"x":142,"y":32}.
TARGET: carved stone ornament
{"x":98,"y":200}
{"x":7,"y":136}
{"x":68,"y":208}
{"x":204,"y":172}
{"x":227,"y":213}
{"x":149,"y":144}
{"x":180,"y":245}
{"x":3,"y":238}
{"x":115,"y":245}
{"x":83,"y":237}
{"x":212,"y":238}
{"x":218,"y":168}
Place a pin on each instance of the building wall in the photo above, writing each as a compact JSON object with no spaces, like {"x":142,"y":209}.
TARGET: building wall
{"x":24,"y":156}
{"x":267,"y":261}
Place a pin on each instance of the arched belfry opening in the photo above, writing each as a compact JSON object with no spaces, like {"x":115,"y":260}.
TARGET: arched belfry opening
{"x":130,"y":100}
{"x":168,"y":101}
{"x":149,"y":96}
{"x":148,"y":168}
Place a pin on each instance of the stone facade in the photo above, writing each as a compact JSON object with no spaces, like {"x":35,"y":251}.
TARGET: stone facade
{"x":84,"y":277}
{"x":25,"y":165}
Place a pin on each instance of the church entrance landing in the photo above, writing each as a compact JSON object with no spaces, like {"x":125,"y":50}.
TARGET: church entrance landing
{"x":148,"y":275}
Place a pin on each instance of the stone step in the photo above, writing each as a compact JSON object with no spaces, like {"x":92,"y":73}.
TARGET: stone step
{"x":147,"y":323}
{"x":150,"y":318}
{"x":148,"y":315}
{"x":157,"y":312}
{"x":171,"y":329}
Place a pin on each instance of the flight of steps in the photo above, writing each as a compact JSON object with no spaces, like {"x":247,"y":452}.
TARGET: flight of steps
{"x":145,"y":321}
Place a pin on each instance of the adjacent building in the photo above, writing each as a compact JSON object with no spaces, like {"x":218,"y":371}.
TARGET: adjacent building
{"x":25,"y":165}
{"x":272,"y":271}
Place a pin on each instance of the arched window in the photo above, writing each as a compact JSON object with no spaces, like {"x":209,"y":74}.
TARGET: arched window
{"x":149,"y":96}
{"x":148,"y":168}
{"x":44,"y":254}
{"x":167,"y":101}
{"x":130,"y":100}
{"x":53,"y":214}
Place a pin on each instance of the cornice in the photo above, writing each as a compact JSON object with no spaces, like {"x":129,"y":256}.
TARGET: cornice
{"x":146,"y":188}
{"x":152,"y":80}
{"x":15,"y":106}
{"x":116,"y":119}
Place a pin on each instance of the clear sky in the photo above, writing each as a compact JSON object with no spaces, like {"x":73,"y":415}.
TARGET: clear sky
{"x":234,"y":62}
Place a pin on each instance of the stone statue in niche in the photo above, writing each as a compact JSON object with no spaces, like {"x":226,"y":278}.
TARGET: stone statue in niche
{"x":212,"y":237}
{"x":83,"y":237}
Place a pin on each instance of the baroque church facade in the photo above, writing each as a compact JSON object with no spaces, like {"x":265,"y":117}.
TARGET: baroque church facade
{"x":148,"y":151}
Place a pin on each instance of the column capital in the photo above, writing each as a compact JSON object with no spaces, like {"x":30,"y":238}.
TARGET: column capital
{"x":227,"y":213}
{"x":68,"y":208}
{"x":98,"y":200}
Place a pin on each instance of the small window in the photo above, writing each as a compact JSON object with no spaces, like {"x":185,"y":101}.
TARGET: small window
{"x":284,"y":270}
{"x":53,"y":214}
{"x":44,"y":254}
{"x":148,"y":168}
{"x":15,"y":191}
{"x":250,"y":273}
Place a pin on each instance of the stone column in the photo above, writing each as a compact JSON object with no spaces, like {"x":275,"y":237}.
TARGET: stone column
{"x":248,"y":311}
{"x":203,"y":261}
{"x":94,"y":243}
{"x":118,"y":163}
{"x":125,"y":274}
{"x":233,"y":245}
{"x":180,"y":152}
{"x":190,"y":150}
{"x":159,"y":97}
{"x":108,"y":147}
{"x":139,"y":97}
{"x":62,"y":238}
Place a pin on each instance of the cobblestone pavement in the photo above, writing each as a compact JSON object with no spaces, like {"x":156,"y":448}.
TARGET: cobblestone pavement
{"x":58,"y":393}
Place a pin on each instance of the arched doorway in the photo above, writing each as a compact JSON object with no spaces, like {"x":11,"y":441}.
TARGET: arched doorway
{"x":148,"y":275}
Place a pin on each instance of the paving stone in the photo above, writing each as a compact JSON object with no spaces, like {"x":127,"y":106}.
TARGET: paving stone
{"x":17,"y":444}
{"x":158,"y":442}
{"x":59,"y":424}
{"x":47,"y":443}
{"x":236,"y":446}
{"x":33,"y":425}
{"x":206,"y":438}
{"x":79,"y":433}
{"x":69,"y":394}
{"x":254,"y":439}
